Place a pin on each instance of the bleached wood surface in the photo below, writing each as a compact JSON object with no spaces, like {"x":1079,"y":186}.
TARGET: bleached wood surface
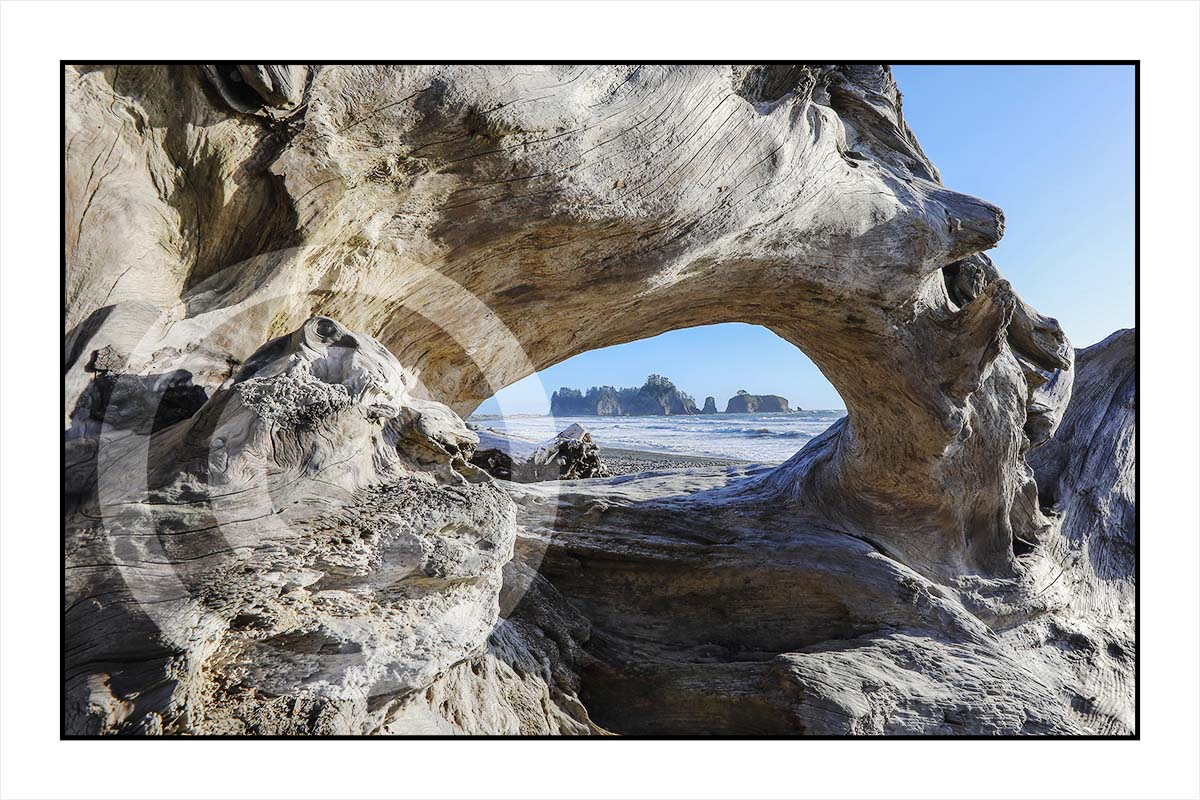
{"x":286,"y":537}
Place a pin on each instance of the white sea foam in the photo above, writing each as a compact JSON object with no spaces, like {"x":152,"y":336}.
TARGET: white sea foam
{"x":768,"y":438}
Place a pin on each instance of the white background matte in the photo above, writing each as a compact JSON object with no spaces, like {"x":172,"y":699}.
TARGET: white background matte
{"x":35,"y":37}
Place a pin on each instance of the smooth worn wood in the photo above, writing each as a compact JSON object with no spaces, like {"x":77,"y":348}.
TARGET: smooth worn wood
{"x":286,"y":284}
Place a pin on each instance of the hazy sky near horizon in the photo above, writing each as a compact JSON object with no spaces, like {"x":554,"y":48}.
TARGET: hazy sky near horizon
{"x":1051,"y":145}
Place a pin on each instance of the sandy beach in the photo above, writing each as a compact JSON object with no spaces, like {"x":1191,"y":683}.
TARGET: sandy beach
{"x":618,"y":460}
{"x":630,"y":462}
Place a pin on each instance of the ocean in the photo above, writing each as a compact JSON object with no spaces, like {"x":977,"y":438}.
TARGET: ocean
{"x":768,"y":438}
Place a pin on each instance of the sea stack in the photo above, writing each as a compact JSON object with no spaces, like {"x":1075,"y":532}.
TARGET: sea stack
{"x":710,"y":405}
{"x":745,"y":403}
{"x":656,"y":397}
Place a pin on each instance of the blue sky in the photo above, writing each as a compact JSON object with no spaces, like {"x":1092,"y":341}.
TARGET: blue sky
{"x":1051,"y":145}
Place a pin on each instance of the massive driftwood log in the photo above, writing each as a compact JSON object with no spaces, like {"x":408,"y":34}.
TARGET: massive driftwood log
{"x":712,"y":610}
{"x":408,"y":240}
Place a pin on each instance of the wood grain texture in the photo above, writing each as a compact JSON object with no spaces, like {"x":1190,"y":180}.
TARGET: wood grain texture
{"x":289,"y":538}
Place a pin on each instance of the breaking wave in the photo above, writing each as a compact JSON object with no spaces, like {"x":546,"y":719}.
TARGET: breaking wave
{"x":766,"y":438}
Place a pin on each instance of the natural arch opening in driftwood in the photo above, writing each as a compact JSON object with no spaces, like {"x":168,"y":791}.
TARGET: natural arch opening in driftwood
{"x":729,"y":391}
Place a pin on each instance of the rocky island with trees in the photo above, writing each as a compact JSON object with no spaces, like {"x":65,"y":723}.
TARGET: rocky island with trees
{"x":658,"y":396}
{"x":745,"y":403}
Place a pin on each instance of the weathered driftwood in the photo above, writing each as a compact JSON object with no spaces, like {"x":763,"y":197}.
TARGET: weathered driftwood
{"x":569,"y":455}
{"x":289,"y":537}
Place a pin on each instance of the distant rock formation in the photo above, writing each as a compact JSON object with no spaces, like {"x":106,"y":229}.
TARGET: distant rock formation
{"x":656,"y":397}
{"x":710,"y":405}
{"x":659,"y":396}
{"x":745,"y":403}
{"x":602,"y":401}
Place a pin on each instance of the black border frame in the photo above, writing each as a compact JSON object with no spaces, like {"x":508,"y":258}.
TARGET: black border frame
{"x":1137,"y":238}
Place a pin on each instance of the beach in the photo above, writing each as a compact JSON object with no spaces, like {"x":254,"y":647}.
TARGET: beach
{"x":630,"y":462}
{"x":675,"y":440}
